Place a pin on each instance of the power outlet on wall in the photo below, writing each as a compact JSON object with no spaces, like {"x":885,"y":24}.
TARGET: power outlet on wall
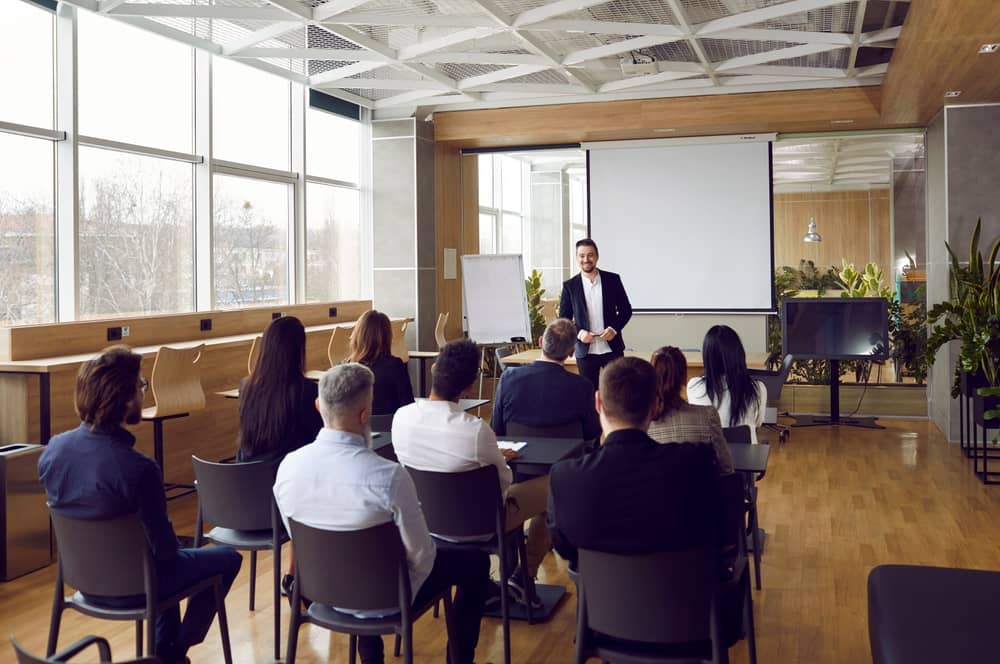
{"x":126,"y":331}
{"x":206,"y":324}
{"x":277,"y":314}
{"x":333,"y":312}
{"x":114,"y":333}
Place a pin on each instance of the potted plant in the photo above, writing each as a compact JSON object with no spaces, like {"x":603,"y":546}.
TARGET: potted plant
{"x":867,"y":283}
{"x":534,"y":290}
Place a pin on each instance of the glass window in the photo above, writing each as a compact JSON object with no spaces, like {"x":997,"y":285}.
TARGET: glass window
{"x":250,"y":115}
{"x":26,"y":72}
{"x":511,"y":235}
{"x":332,"y":146}
{"x":511,"y":183}
{"x":333,"y":243}
{"x":486,"y":180}
{"x":27,"y":231}
{"x":135,"y":234}
{"x":487,"y":234}
{"x":134,"y":86}
{"x":250,"y":241}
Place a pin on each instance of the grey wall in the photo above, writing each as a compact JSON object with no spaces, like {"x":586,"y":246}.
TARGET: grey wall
{"x":909,"y":218}
{"x":686,"y":331}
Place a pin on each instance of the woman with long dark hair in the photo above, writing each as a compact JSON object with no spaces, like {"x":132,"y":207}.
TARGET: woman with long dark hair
{"x":371,"y":345}
{"x":277,"y":402}
{"x":677,"y":421}
{"x":727,"y":384}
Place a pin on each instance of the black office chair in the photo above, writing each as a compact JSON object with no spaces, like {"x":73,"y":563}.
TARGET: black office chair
{"x":382,"y":423}
{"x":741,"y":434}
{"x":773,"y":382}
{"x":375,"y":576}
{"x":237,"y":499}
{"x":64,"y":655}
{"x":501,"y":352}
{"x":469,"y":504}
{"x":111,"y":558}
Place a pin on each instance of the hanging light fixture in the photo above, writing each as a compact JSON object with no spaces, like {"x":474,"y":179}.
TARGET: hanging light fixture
{"x":811,"y":234}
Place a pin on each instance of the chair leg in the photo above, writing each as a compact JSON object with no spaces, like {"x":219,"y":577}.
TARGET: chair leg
{"x":138,"y":638}
{"x":748,"y":618}
{"x":352,"y":649}
{"x":57,"y":609}
{"x":756,"y":547}
{"x":253,"y":578}
{"x":453,"y":654}
{"x":220,"y":610}
{"x":150,"y":633}
{"x":522,"y":551}
{"x":437,"y":605}
{"x":397,"y":646}
{"x":504,"y":605}
{"x":293,"y":634}
{"x":276,"y":591}
{"x":408,"y":643}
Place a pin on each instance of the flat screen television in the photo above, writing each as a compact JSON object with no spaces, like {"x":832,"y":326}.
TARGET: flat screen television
{"x":835,"y":328}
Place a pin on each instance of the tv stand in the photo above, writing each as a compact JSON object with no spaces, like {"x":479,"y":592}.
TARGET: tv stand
{"x":834,"y":418}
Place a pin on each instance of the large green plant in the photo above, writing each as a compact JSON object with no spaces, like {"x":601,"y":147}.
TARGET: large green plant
{"x":971,"y":315}
{"x":534,"y":290}
{"x":908,"y":333}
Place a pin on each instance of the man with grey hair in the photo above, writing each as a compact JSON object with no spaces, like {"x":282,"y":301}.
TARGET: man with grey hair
{"x":543,"y":393}
{"x":338,"y":483}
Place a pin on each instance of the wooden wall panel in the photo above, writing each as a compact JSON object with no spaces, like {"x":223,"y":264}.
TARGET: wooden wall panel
{"x":854,"y":225}
{"x":35,"y":341}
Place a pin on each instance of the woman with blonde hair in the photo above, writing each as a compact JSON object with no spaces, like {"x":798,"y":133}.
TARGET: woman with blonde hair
{"x":371,"y":345}
{"x":677,"y":421}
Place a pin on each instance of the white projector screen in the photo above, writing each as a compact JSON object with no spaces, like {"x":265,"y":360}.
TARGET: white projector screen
{"x":687,"y":225}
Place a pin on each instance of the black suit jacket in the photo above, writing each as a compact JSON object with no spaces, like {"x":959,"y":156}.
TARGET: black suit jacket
{"x":617,"y":308}
{"x":634,"y":495}
{"x":544,"y":394}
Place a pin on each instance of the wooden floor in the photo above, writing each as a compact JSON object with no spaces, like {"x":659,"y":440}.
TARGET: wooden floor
{"x":835,"y":503}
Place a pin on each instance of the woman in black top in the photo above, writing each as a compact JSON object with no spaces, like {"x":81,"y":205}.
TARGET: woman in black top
{"x":277,"y":402}
{"x":371,"y":345}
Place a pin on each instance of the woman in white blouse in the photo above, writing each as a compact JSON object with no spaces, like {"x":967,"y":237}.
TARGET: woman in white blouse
{"x":727,"y":384}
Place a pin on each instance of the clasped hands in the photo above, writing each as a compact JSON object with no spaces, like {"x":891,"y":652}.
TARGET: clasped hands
{"x":586,"y":336}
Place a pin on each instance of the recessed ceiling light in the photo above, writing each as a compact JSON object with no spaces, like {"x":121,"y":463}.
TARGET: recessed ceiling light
{"x":661,"y":130}
{"x":841,"y":121}
{"x":989,"y":48}
{"x":952,"y":93}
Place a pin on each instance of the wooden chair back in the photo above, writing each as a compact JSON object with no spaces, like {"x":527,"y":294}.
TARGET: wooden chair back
{"x":399,"y":348}
{"x":439,"y":329}
{"x":550,"y":310}
{"x":254,"y":354}
{"x":339,"y":348}
{"x":176,"y":382}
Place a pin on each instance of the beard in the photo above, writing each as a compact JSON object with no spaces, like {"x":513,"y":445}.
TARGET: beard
{"x":588,"y":268}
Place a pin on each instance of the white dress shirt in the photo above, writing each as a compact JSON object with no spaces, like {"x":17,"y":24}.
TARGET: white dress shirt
{"x":337,"y":483}
{"x":441,"y":437}
{"x":594,"y":296}
{"x":697,"y":395}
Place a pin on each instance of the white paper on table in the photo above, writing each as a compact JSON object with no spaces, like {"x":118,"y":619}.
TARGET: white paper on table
{"x":504,"y":445}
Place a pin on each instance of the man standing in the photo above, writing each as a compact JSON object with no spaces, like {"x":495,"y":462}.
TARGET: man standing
{"x":437,"y":435}
{"x":633,"y":495}
{"x":93,"y":472}
{"x":543,"y":393}
{"x":339,"y":483}
{"x":596,"y":301}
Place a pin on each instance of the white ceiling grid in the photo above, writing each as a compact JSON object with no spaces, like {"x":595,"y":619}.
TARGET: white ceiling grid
{"x":491,"y":53}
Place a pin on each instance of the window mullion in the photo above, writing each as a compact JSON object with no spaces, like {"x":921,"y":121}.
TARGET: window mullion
{"x":67,"y":199}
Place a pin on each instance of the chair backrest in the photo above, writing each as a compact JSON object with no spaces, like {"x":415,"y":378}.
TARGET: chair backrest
{"x":572,"y":429}
{"x":236,"y":495}
{"x":439,"y":337}
{"x":108,"y":557}
{"x":254,"y":354}
{"x":663,"y":597}
{"x":339,"y":347}
{"x":550,"y":310}
{"x":382,"y":422}
{"x":501,"y":352}
{"x":351,"y":569}
{"x":465,"y":504}
{"x":104,"y":652}
{"x":740,"y":434}
{"x":732,"y":520}
{"x":399,"y":348}
{"x":774,"y":380}
{"x":176,"y":381}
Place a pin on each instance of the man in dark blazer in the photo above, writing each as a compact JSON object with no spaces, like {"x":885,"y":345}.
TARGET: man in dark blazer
{"x":543,"y":393}
{"x":633,"y":495}
{"x":596,"y":302}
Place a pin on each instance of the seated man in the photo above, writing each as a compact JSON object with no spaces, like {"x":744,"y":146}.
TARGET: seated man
{"x":339,"y":483}
{"x":436,"y":435}
{"x":92,"y":472}
{"x":633,"y":495}
{"x":543,"y":393}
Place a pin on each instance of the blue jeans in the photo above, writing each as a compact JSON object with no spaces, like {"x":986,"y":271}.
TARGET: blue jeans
{"x":174,"y":636}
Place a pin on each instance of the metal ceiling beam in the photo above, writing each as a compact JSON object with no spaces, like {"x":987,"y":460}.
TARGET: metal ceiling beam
{"x":384,"y":84}
{"x":415,"y":20}
{"x":605,"y":27}
{"x":792,"y":36}
{"x":334,"y":7}
{"x":342,"y":54}
{"x":681,"y":17}
{"x":597,"y":52}
{"x":532,"y":88}
{"x":500,"y":75}
{"x":443,"y":41}
{"x":294,"y":8}
{"x":788,"y":70}
{"x":859,"y":24}
{"x":761,"y":15}
{"x":200,"y":11}
{"x":341,"y":73}
{"x":483,"y":58}
{"x":642,"y":81}
{"x":889,"y":34}
{"x":258,"y":36}
{"x":552,"y":9}
{"x":406,"y":98}
{"x":771,"y":56}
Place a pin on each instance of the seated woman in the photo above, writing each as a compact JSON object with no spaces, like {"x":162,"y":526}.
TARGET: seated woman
{"x":677,"y":421}
{"x":371,"y":345}
{"x":277,"y":402}
{"x":727,"y":384}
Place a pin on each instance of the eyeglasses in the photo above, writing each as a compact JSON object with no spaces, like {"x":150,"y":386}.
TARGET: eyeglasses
{"x":143,"y":384}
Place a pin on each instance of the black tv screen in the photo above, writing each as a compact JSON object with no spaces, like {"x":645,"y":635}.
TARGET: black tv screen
{"x":835,"y":328}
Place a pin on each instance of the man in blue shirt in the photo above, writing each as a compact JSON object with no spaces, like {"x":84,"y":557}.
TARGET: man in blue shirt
{"x":93,"y":472}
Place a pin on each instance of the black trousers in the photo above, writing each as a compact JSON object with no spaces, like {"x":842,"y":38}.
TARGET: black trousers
{"x":590,"y":365}
{"x":470,"y":572}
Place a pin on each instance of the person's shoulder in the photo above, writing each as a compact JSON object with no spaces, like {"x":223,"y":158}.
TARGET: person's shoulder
{"x":575,"y":279}
{"x":697,"y":411}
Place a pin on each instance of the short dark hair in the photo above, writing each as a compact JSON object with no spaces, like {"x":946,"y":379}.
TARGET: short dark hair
{"x":559,"y":339}
{"x":105,"y":385}
{"x":587,"y":242}
{"x":628,"y":390}
{"x":456,"y":368}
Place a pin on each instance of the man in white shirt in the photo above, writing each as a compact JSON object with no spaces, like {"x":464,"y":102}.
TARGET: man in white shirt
{"x":596,"y":302}
{"x":435,"y":434}
{"x":339,"y":483}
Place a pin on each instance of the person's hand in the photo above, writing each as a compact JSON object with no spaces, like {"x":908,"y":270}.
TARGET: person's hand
{"x":608,"y":334}
{"x":509,"y":454}
{"x":585,"y":336}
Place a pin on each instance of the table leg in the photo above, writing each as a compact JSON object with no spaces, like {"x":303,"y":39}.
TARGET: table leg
{"x":44,"y":409}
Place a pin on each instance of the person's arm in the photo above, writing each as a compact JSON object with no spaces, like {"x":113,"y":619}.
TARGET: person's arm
{"x":489,"y":454}
{"x":498,"y":421}
{"x":409,"y":518}
{"x":559,"y":541}
{"x":722,"y":454}
{"x":404,"y":390}
{"x":566,"y":303}
{"x":624,"y":308}
{"x":152,"y":508}
{"x":761,"y":403}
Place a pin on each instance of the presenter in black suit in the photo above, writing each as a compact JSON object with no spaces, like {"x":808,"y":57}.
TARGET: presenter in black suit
{"x":596,"y":301}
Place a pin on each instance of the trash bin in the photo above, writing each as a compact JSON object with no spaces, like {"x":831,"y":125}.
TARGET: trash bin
{"x":25,"y":543}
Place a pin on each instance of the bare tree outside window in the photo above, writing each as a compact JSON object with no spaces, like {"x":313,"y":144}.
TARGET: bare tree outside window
{"x":333,"y":243}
